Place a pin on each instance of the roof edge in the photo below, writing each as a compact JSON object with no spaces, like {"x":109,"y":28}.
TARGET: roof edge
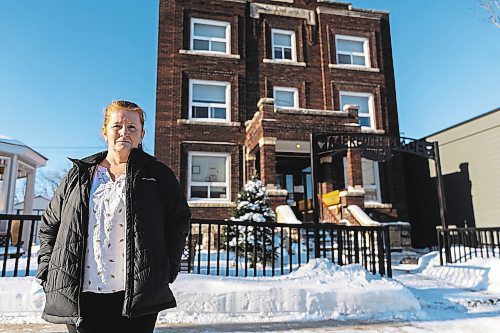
{"x":463,"y":122}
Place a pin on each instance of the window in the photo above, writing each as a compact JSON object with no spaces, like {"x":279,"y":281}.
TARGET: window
{"x":210,"y":36}
{"x":286,"y":97}
{"x":209,"y":100}
{"x":352,"y":51}
{"x":371,"y":179}
{"x":208,"y":176}
{"x":365,"y":103}
{"x":283,"y":45}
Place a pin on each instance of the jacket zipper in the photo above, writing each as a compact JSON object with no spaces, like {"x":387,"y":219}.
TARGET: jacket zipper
{"x":84,"y":196}
{"x":129,"y":278}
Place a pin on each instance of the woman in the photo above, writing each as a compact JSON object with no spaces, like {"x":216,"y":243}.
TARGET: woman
{"x":112,"y":237}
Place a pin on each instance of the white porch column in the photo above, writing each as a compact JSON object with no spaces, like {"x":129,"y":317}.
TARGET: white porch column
{"x":5,"y":186}
{"x":29,"y":194}
{"x":11,"y":184}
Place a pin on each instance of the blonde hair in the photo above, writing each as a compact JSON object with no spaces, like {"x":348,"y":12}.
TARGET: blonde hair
{"x":122,"y":105}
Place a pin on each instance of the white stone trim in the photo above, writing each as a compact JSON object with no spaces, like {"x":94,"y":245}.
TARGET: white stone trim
{"x":211,"y":204}
{"x":284,"y":62}
{"x":358,"y":13}
{"x":371,"y":130}
{"x":314,"y":112}
{"x":208,"y":123}
{"x":267,"y":141}
{"x":373,"y":204}
{"x":275,"y":193}
{"x":211,"y":143}
{"x":259,"y":8}
{"x":354,"y":68}
{"x":209,"y":54}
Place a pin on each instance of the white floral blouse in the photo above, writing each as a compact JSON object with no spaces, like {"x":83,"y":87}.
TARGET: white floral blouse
{"x":105,"y":256}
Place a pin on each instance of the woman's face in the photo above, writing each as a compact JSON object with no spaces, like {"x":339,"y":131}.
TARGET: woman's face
{"x":124,"y":131}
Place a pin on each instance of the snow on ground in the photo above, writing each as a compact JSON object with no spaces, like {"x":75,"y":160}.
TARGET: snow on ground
{"x":317,"y":291}
{"x":319,"y":297}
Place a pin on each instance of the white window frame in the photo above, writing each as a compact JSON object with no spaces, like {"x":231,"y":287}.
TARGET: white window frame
{"x":365,"y":54}
{"x":295,"y":97}
{"x":292,"y":40}
{"x":227,"y":183}
{"x":226,"y":40}
{"x":376,"y":187}
{"x":371,"y":105}
{"x":227,"y":105}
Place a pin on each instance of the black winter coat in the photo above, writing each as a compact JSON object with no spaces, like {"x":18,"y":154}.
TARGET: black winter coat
{"x":157,"y":226}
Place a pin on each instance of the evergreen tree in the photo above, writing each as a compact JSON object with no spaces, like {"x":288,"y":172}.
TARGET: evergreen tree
{"x":252,"y":205}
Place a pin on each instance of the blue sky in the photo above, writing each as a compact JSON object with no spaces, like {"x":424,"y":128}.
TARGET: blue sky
{"x":62,"y":62}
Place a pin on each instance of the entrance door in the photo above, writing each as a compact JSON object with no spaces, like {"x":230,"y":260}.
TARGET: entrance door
{"x":294,"y":175}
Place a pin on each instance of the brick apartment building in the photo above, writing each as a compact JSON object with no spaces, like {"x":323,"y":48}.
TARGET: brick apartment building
{"x":242,"y":84}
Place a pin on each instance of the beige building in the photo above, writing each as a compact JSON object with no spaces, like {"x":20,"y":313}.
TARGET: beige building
{"x":470,"y":162}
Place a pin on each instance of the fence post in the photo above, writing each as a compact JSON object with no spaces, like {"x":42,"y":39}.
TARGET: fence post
{"x":387,"y":243}
{"x":380,"y":253}
{"x":440,"y":246}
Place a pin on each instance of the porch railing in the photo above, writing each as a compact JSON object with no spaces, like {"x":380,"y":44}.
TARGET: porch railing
{"x":15,"y":256}
{"x":227,"y":247}
{"x":462,"y":244}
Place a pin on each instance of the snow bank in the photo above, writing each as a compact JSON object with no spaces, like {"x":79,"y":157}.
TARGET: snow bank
{"x":317,"y":291}
{"x":475,"y":273}
{"x":21,"y":300}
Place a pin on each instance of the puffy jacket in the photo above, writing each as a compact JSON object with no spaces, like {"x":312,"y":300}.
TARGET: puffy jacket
{"x":156,"y":228}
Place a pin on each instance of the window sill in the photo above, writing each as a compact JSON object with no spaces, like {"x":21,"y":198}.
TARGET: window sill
{"x":210,"y":54}
{"x":371,"y":130}
{"x":284,"y":62}
{"x":208,"y":123}
{"x":355,"y":68}
{"x":213,"y":204}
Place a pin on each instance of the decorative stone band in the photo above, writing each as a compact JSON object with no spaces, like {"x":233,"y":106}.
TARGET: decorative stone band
{"x":267,"y":141}
{"x":211,"y":204}
{"x":259,"y":8}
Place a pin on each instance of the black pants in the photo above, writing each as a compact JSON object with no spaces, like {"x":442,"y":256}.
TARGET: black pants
{"x":102,"y":313}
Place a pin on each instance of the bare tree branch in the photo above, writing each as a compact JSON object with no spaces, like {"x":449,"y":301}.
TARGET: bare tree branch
{"x":47,"y":182}
{"x":493,"y":9}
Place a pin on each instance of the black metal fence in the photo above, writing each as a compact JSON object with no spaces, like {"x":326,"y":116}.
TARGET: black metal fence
{"x":462,"y":244}
{"x":13,"y":252}
{"x":228,"y":247}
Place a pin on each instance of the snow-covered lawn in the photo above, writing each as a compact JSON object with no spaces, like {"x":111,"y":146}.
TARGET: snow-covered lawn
{"x":421,"y":298}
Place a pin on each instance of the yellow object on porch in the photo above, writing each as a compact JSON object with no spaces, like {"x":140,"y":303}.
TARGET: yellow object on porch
{"x":331,"y":198}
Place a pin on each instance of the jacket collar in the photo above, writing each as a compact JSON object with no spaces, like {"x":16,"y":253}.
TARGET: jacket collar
{"x":137,"y":158}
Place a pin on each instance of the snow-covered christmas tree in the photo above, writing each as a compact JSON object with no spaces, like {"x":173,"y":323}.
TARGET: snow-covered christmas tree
{"x":252,"y":205}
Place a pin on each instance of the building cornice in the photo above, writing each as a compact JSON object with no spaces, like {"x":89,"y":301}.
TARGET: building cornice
{"x":358,"y":13}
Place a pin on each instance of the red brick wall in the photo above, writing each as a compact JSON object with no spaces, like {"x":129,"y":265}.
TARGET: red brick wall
{"x":252,"y":79}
